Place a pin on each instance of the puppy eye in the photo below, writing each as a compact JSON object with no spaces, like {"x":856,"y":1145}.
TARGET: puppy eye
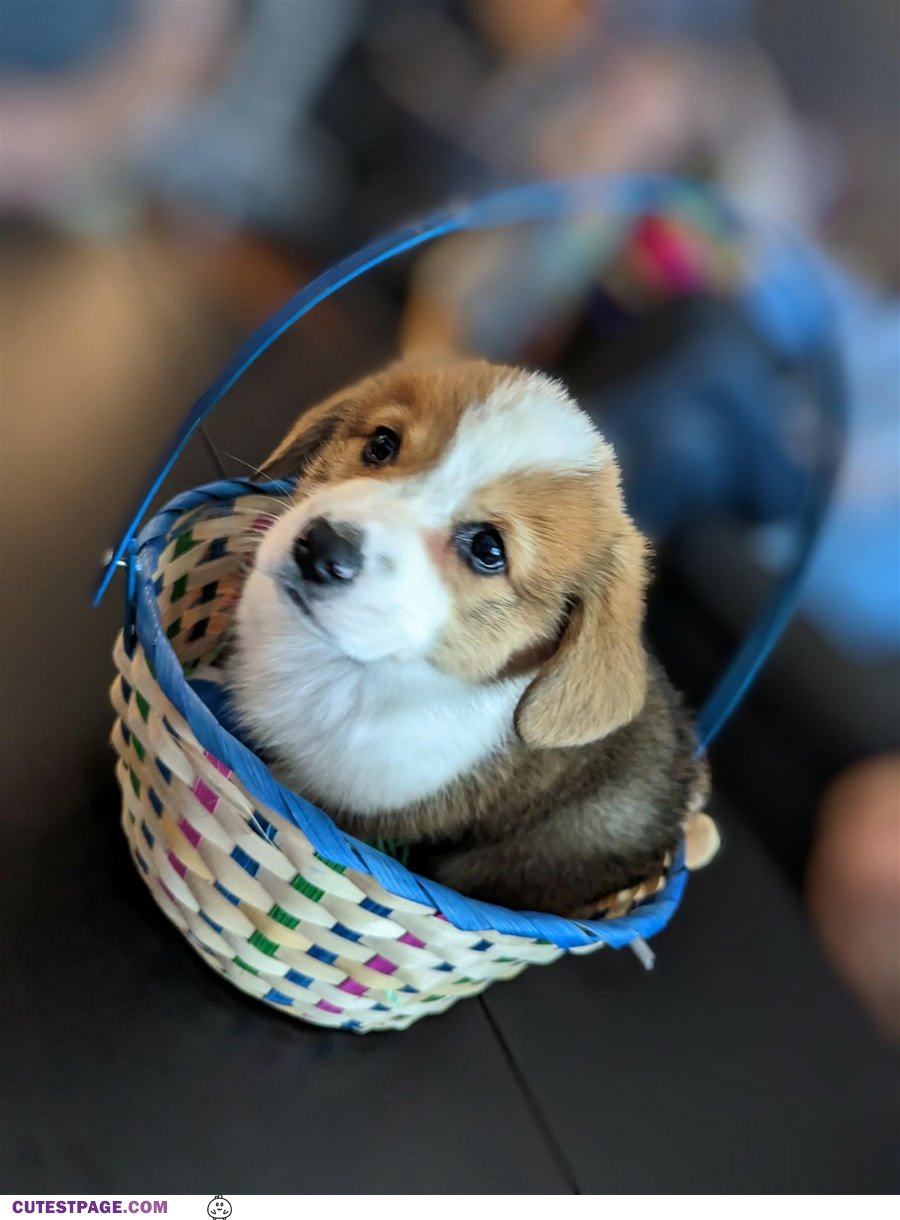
{"x":381,"y":447}
{"x":481,"y":547}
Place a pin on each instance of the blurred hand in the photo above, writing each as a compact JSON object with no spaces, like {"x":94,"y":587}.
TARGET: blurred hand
{"x":853,"y":885}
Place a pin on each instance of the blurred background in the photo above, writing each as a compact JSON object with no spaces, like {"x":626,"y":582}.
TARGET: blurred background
{"x":171,"y":171}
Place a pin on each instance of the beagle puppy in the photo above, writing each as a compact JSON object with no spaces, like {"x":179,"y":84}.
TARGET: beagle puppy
{"x":440,"y":641}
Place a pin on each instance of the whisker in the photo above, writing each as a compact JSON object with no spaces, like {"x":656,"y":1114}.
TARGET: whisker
{"x":287,"y":500}
{"x":257,"y":470}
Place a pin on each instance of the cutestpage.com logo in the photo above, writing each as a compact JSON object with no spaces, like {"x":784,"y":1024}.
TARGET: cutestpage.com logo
{"x":95,"y":1207}
{"x":173,"y":1208}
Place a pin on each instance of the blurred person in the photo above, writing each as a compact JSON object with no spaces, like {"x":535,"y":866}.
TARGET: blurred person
{"x":853,"y":885}
{"x":253,"y":153}
{"x":204,"y":108}
{"x":80,"y":81}
{"x":588,"y":86}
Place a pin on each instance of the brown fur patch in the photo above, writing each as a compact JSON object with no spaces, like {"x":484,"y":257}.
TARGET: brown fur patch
{"x":422,"y":402}
{"x":555,"y":532}
{"x":574,"y":560}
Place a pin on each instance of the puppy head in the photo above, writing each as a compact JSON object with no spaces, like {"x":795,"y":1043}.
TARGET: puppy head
{"x":469,"y":518}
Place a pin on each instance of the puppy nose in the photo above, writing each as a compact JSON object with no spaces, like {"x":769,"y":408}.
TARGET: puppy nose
{"x":327,"y":554}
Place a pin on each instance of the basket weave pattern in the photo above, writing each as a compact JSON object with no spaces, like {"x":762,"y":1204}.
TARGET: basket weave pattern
{"x":281,"y":920}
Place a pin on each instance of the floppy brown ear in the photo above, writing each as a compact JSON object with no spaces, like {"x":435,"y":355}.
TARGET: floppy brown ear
{"x":596,"y":680}
{"x":312,"y":431}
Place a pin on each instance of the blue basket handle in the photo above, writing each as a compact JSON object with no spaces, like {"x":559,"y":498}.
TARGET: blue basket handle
{"x":786,"y":301}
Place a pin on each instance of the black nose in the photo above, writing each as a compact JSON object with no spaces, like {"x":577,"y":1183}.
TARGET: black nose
{"x":329,"y":555}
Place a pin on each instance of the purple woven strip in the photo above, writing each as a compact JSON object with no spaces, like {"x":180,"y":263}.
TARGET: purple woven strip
{"x":381,"y":964}
{"x":408,"y":939}
{"x":176,"y":864}
{"x":326,"y":1007}
{"x":168,"y":893}
{"x":189,"y":833}
{"x":217,"y":763}
{"x":352,"y":987}
{"x":205,"y":795}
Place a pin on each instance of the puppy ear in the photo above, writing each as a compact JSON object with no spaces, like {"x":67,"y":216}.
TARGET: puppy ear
{"x":596,"y":680}
{"x":313,"y":430}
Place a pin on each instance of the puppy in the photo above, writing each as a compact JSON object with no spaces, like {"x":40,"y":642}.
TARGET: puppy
{"x":439,"y":641}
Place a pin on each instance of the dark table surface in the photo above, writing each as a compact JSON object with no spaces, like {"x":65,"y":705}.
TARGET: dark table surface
{"x":737,"y":1065}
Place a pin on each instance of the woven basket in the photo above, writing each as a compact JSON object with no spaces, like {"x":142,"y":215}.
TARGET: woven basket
{"x":261,"y":883}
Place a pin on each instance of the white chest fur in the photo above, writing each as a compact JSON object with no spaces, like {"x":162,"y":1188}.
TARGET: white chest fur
{"x":361,"y":738}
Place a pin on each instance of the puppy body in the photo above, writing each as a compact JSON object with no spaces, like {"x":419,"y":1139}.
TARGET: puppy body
{"x":557,"y":830}
{"x":506,"y":719}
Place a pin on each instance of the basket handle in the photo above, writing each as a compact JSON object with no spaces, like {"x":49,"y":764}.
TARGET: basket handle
{"x":625,"y":196}
{"x":786,"y":301}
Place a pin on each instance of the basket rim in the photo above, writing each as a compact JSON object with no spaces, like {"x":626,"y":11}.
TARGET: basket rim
{"x":466,"y":914}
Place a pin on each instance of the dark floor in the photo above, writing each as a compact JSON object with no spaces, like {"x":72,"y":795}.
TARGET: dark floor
{"x":739,"y":1064}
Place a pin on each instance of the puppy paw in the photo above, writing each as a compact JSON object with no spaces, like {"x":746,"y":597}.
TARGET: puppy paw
{"x":701,"y":840}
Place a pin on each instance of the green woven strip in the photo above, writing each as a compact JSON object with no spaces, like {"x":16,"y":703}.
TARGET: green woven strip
{"x":138,"y":748}
{"x":302,"y":886}
{"x":142,"y":705}
{"x":135,"y":782}
{"x":282,"y":917}
{"x":179,"y":588}
{"x":173,"y":628}
{"x":338,"y":868}
{"x":239,"y":961}
{"x":397,"y":849}
{"x":258,"y":941}
{"x":183,"y":543}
